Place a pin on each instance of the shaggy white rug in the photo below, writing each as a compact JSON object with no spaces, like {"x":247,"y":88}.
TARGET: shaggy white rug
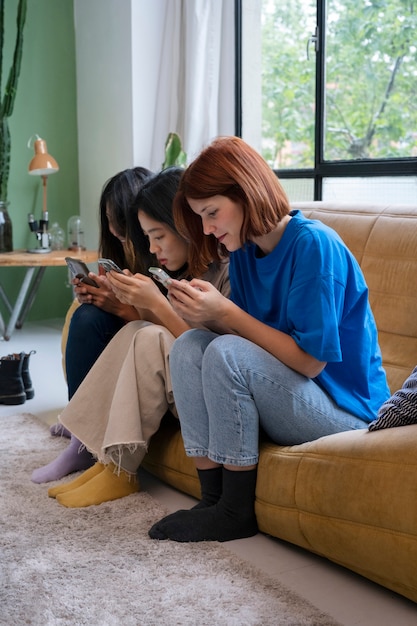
{"x":97,"y":566}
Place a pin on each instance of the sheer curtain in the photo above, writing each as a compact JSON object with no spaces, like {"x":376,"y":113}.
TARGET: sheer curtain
{"x":195,"y":87}
{"x":145,"y":69}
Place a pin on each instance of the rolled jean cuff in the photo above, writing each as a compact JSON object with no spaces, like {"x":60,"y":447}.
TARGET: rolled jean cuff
{"x":222,"y":460}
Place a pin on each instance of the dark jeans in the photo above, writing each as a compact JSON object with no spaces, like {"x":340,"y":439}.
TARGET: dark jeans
{"x":90,"y":330}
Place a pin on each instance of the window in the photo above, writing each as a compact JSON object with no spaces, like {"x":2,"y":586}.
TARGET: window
{"x":338,"y":95}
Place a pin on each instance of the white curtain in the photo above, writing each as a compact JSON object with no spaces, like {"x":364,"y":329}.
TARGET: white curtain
{"x":195,"y":87}
{"x":144,"y":69}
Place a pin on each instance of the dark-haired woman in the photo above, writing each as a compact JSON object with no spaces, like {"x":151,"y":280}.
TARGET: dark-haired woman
{"x":120,"y":403}
{"x":92,"y":327}
{"x":101,"y":315}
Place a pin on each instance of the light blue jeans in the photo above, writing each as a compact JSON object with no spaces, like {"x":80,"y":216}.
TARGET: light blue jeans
{"x":226,"y":387}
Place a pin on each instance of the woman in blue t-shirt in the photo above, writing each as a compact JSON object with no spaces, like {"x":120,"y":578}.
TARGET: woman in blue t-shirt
{"x":294,"y":351}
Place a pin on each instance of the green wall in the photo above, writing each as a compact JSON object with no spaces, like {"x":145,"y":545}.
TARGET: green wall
{"x":45,"y":104}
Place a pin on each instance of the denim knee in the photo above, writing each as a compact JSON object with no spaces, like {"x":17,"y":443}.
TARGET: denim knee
{"x":90,"y":330}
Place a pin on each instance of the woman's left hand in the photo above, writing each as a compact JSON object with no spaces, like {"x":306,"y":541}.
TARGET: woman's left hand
{"x":197,"y":301}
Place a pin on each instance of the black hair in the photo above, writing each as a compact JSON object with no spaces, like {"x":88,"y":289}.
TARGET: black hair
{"x":119,"y":194}
{"x":155,"y":198}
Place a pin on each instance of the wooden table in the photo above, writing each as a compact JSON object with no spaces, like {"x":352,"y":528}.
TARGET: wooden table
{"x":36,"y":264}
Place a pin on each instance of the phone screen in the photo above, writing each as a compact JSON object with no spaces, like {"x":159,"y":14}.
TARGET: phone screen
{"x":161,"y":276}
{"x":76,"y":266}
{"x":108,"y":265}
{"x":80,"y":270}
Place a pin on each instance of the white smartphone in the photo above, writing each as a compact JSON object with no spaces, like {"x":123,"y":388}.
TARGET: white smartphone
{"x":108,"y":265}
{"x":161,"y":276}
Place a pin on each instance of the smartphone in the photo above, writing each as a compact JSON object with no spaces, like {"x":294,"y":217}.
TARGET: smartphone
{"x":80,"y":270}
{"x":161,"y":276}
{"x":108,"y":265}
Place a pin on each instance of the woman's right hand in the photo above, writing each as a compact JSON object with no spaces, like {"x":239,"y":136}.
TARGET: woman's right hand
{"x":102,"y":296}
{"x":197,"y":301}
{"x":137,"y":290}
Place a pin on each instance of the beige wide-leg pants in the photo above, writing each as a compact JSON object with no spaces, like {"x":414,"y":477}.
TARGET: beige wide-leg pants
{"x":120,"y":403}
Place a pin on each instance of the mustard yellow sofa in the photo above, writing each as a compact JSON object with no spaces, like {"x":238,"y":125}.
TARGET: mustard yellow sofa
{"x":349,"y":497}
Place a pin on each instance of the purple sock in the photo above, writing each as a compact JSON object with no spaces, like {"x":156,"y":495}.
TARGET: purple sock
{"x":59,"y":430}
{"x":72,"y":459}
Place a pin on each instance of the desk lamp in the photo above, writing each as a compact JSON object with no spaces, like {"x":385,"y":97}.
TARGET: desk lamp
{"x":42,"y":164}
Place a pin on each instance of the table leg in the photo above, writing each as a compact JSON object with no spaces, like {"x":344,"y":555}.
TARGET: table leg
{"x":19,"y":302}
{"x":5,"y":299}
{"x":8,"y":306}
{"x":30,"y":297}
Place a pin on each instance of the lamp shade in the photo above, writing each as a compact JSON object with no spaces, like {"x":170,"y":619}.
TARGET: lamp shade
{"x":42,"y":163}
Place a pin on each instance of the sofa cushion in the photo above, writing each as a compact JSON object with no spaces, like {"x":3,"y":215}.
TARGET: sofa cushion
{"x":401,"y":408}
{"x":384,"y":242}
{"x":349,"y":497}
{"x":64,"y":337}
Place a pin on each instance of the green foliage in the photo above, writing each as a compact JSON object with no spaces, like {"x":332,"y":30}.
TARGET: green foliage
{"x":287,"y":85}
{"x":371,"y":77}
{"x":174,"y":154}
{"x":8,"y":98}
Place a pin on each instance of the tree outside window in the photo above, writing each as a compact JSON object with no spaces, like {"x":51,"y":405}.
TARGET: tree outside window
{"x":368,"y":95}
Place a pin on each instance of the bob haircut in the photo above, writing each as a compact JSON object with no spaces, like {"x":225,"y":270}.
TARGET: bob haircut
{"x":228,"y":167}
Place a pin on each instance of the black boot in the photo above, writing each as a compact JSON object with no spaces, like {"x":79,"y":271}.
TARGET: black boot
{"x":27,"y":382}
{"x":12,"y":390}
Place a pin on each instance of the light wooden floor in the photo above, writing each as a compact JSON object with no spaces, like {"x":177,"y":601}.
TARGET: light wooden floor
{"x":352,"y":600}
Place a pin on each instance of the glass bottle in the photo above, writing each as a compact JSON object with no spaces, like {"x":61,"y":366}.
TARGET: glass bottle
{"x":57,"y":236}
{"x":75,"y":233}
{"x":6,"y":230}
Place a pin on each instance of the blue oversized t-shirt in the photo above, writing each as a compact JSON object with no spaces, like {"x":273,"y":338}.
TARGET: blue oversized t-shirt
{"x":312,"y":288}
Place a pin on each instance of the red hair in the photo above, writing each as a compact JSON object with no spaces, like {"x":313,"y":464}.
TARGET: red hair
{"x":228,"y":167}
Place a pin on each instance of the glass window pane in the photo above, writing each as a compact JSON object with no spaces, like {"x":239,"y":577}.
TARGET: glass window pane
{"x":298,"y":189}
{"x":288,"y":83}
{"x":371,"y":79}
{"x":376,"y":190}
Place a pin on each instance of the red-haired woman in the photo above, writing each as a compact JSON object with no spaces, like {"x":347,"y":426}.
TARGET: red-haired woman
{"x":297,"y":350}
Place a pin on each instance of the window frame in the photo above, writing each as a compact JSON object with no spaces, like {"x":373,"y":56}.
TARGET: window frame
{"x":322,"y":169}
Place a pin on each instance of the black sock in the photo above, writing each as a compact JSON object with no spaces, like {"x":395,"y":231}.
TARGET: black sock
{"x":233,"y":517}
{"x":211,"y":482}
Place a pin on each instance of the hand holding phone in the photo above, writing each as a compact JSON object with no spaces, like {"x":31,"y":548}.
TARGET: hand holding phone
{"x":80,"y":270}
{"x":108,"y":265}
{"x":161,"y":276}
